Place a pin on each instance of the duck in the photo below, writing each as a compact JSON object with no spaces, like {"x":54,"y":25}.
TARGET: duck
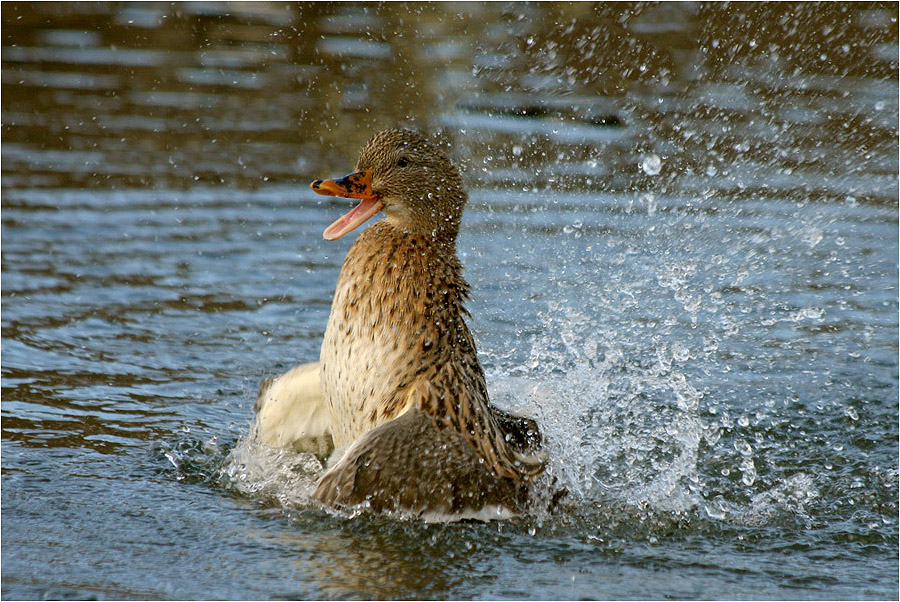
{"x":398,"y":398}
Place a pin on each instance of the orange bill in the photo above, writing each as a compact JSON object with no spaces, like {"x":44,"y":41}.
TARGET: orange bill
{"x":357,"y":185}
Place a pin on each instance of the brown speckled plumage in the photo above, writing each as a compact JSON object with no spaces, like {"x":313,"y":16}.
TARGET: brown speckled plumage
{"x":400,"y":373}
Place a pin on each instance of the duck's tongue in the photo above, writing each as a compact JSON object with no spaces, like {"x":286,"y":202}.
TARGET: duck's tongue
{"x":352,"y":220}
{"x":357,"y":185}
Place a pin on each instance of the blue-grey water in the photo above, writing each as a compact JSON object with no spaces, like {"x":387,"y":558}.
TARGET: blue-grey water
{"x":682,"y":240}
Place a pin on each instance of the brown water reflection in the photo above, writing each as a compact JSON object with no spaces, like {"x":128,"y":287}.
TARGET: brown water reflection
{"x":547,"y":94}
{"x":387,"y":561}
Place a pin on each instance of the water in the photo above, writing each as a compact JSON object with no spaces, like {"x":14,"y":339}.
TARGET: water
{"x":682,"y":242}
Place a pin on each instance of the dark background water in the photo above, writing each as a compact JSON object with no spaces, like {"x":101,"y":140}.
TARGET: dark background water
{"x":683,"y":244}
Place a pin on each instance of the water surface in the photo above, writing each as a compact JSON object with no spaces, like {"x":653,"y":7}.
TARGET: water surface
{"x":682,"y":239}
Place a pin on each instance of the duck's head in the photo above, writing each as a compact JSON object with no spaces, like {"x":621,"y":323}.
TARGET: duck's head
{"x":406,"y":176}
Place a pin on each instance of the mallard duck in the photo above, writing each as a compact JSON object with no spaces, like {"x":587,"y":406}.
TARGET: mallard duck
{"x":398,"y":387}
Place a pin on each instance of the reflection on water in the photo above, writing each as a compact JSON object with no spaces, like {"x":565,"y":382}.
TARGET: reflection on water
{"x":682,"y":241}
{"x":565,"y":96}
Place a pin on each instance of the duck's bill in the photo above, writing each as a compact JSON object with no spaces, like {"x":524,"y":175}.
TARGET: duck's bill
{"x":357,"y":185}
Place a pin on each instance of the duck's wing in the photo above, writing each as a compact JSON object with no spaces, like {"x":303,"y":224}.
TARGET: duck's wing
{"x":522,"y":433}
{"x":455,"y":395}
{"x":414,"y":464}
{"x":291,"y":413}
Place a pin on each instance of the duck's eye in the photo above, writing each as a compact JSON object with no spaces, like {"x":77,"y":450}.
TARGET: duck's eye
{"x":402,"y":162}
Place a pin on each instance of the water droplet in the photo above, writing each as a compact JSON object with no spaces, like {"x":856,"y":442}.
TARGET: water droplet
{"x":748,"y":478}
{"x":716,"y":511}
{"x":808,"y":313}
{"x":574,"y":228}
{"x":680,"y":353}
{"x":743,"y":448}
{"x":651,"y":165}
{"x":650,"y":201}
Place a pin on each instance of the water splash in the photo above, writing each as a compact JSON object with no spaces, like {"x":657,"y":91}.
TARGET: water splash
{"x":259,"y":471}
{"x":628,"y":429}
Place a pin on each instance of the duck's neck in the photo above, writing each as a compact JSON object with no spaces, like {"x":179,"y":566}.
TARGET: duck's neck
{"x":437,"y":220}
{"x":442,"y":239}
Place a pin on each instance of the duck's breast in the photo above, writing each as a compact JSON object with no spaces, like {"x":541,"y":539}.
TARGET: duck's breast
{"x":380,"y":334}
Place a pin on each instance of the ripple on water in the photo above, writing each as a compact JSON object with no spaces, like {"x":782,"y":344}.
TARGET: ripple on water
{"x":709,"y":342}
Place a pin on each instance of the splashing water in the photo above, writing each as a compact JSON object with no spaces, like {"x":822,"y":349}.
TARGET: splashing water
{"x":284,"y":476}
{"x":617,"y":429}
